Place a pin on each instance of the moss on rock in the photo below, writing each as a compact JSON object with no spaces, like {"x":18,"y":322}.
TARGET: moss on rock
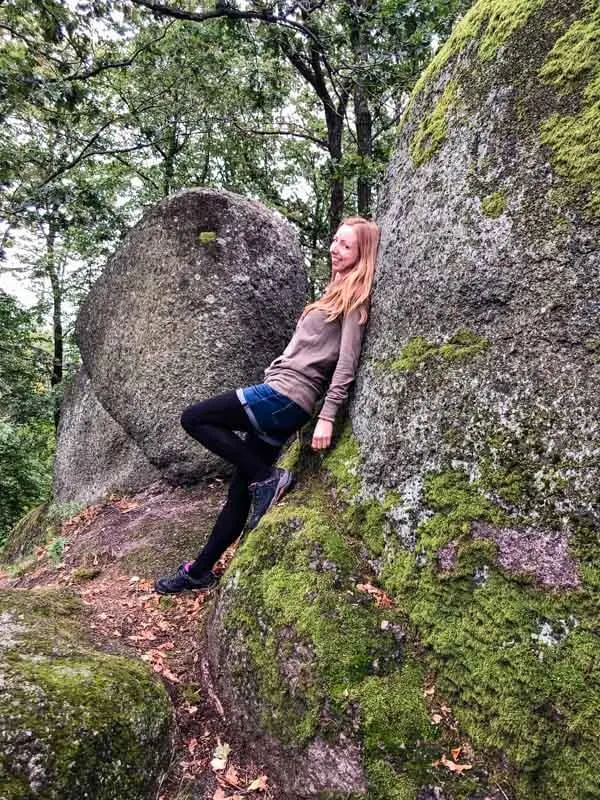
{"x":517,"y":663}
{"x":573,"y":66}
{"x":462,"y":344}
{"x":311,"y":656}
{"x":430,"y":135}
{"x":491,"y":23}
{"x":76,"y":723}
{"x":314,"y":647}
{"x":494,"y":204}
{"x":30,"y":531}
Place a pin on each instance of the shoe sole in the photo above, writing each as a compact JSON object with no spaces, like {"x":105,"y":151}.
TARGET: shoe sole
{"x":281,"y":491}
{"x":165,"y":592}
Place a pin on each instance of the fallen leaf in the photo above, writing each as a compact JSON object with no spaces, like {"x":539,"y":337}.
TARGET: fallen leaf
{"x":453,"y":767}
{"x":381,"y":598}
{"x":166,"y":673}
{"x":220,"y":756}
{"x":436,"y":719}
{"x":192,"y":745}
{"x":455,"y":753}
{"x":259,"y":784}
{"x":231,"y":777}
{"x":429,"y":692}
{"x":219,"y":794}
{"x":125,"y":505}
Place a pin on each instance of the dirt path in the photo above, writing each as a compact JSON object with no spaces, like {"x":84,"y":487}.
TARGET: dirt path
{"x":110,"y":557}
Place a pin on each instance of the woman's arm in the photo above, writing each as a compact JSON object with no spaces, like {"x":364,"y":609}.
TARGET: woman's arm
{"x":342,"y":378}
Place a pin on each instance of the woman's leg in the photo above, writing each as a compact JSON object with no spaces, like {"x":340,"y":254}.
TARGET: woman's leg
{"x":212,"y":422}
{"x":232,"y":518}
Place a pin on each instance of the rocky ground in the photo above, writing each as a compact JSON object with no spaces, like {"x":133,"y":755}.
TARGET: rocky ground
{"x":109,"y":555}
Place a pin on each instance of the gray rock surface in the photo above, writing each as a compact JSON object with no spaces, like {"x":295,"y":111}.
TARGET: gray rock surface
{"x":482,"y":349}
{"x":203,"y":293}
{"x":94,"y":455}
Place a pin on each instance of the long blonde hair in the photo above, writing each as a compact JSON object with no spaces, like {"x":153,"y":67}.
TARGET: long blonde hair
{"x":354,"y":291}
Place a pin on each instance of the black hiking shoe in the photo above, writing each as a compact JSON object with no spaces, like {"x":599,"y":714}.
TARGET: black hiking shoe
{"x":183,"y":581}
{"x":266,"y":493}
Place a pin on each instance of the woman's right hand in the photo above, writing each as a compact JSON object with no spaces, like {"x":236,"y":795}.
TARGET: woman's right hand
{"x":322,"y":434}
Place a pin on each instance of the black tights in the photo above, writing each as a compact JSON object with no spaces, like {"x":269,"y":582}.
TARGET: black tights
{"x":213,"y":422}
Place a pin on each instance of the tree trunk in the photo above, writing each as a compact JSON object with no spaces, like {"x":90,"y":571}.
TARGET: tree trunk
{"x":364,"y":139}
{"x":57,"y":329}
{"x":335,"y":120}
{"x":362,"y":113}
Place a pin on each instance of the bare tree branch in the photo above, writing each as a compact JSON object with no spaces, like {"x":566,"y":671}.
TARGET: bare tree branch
{"x":224,"y":10}
{"x":295,"y":134}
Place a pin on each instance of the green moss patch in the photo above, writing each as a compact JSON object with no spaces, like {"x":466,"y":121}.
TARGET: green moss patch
{"x":342,"y":462}
{"x":573,"y":66}
{"x":494,"y":204}
{"x":463,"y":344}
{"x":431,"y":133}
{"x":518,"y":665}
{"x":28,"y":533}
{"x":320,"y":656}
{"x":491,"y":22}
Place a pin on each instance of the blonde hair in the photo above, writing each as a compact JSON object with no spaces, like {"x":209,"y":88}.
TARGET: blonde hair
{"x":354,"y":291}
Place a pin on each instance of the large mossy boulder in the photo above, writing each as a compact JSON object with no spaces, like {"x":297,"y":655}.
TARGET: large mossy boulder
{"x":314,"y":674}
{"x":74,"y":722}
{"x":468,"y":491}
{"x":477,"y":412}
{"x":202,"y":294}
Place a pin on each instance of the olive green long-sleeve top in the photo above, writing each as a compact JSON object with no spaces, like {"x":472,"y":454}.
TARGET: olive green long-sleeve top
{"x":320,"y":354}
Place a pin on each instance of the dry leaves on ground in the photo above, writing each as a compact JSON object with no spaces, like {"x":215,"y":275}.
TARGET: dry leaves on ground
{"x":381,"y":598}
{"x":444,"y":761}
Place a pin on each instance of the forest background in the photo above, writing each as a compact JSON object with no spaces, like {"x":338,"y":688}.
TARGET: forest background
{"x":108,"y":107}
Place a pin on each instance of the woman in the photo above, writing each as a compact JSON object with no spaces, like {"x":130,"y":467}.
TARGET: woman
{"x":324,"y":349}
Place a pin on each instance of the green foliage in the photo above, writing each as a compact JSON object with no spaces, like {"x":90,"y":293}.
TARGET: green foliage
{"x":26,"y":431}
{"x":24,"y":364}
{"x":56,"y":548}
{"x":25,"y":469}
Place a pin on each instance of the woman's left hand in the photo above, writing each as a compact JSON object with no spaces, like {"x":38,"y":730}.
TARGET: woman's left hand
{"x":322,"y":434}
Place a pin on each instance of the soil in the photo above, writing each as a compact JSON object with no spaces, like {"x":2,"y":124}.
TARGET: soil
{"x":110,"y":555}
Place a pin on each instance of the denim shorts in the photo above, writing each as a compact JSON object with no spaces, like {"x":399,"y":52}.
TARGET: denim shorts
{"x":273,"y":415}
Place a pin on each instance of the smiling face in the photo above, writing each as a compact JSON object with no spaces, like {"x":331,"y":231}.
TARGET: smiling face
{"x":344,"y":251}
